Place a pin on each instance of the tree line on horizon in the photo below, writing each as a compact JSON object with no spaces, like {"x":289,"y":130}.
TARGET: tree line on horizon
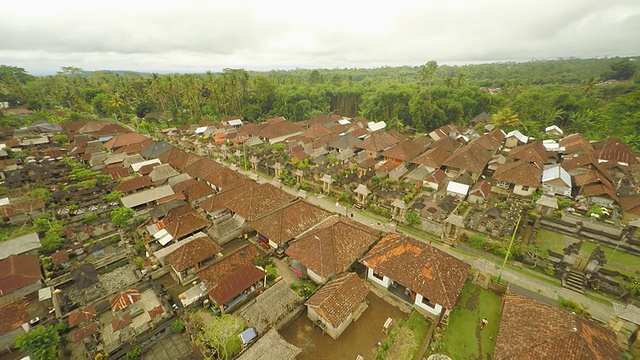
{"x":597,"y":97}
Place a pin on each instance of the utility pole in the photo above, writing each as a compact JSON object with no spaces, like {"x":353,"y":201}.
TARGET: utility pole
{"x":506,"y":256}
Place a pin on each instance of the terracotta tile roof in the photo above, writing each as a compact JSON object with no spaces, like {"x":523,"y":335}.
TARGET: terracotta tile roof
{"x":378,"y":141}
{"x":531,"y":152}
{"x":13,"y":315}
{"x":433,"y":157}
{"x":124,"y":299}
{"x":584,"y":160}
{"x":121,"y":322}
{"x":615,"y":150}
{"x":134,"y":184}
{"x":85,"y":332}
{"x":333,"y":246}
{"x":59,"y":257}
{"x":315,"y":131}
{"x":93,"y":126}
{"x":186,"y":225}
{"x":116,"y":172}
{"x":183,"y":185}
{"x":166,"y":199}
{"x":227,"y":265}
{"x":298,"y":153}
{"x":320,"y":119}
{"x":519,"y":173}
{"x":257,"y":200}
{"x":359,"y":132}
{"x":490,"y":141}
{"x":446,"y":143}
{"x":420,"y":267}
{"x":147,"y":169}
{"x":198,"y":191}
{"x":631,"y":204}
{"x":73,"y":126}
{"x":223,"y":178}
{"x":338,"y":298}
{"x":112,"y":129}
{"x":407,"y":150}
{"x":173,"y":154}
{"x":277,"y":129}
{"x":156,"y":311}
{"x":193,"y":252}
{"x":575,"y":143}
{"x":79,"y":315}
{"x":386,"y":167}
{"x":234,"y":284}
{"x":22,"y":207}
{"x":531,"y":329}
{"x":202,"y":167}
{"x":219,"y":200}
{"x":472,"y":158}
{"x":17,"y":271}
{"x":175,"y":213}
{"x":437,"y":176}
{"x":134,"y":148}
{"x":481,"y":189}
{"x":288,"y":222}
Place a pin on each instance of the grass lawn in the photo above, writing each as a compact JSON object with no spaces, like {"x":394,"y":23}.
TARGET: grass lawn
{"x":10,"y":232}
{"x":623,"y":262}
{"x":551,"y":240}
{"x":463,"y":338}
{"x":405,"y":339}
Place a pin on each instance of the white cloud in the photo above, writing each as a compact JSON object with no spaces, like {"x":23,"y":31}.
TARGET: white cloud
{"x":193,"y":35}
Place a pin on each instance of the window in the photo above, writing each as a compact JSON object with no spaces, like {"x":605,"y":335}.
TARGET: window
{"x":503,"y":184}
{"x":428,"y":303}
{"x":378,"y":276}
{"x":525,"y":188}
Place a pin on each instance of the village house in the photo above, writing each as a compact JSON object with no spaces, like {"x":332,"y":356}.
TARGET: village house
{"x":532,"y":329}
{"x":189,"y":256}
{"x":337,"y":303}
{"x":330,"y":248}
{"x":406,"y":150}
{"x":417,"y":273}
{"x":25,"y":244}
{"x":556,"y":181}
{"x":515,"y":138}
{"x":257,"y":200}
{"x":14,"y":321}
{"x":521,"y":177}
{"x":378,"y":142}
{"x":553,"y":130}
{"x":20,"y":276}
{"x":472,"y":158}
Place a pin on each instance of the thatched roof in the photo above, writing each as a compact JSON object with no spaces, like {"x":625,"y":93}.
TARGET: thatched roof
{"x":271,"y":347}
{"x":269,"y":308}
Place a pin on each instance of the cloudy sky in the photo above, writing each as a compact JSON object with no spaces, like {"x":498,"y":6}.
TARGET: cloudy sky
{"x":195,"y":36}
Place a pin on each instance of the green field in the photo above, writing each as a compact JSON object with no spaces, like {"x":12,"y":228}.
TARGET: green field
{"x":462,"y":338}
{"x":552,"y":240}
{"x":405,"y":339}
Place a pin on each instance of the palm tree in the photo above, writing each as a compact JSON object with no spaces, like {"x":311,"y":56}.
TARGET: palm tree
{"x":505,"y":118}
{"x":589,"y":86}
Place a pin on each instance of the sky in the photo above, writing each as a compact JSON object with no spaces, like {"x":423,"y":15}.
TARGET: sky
{"x":197,"y":36}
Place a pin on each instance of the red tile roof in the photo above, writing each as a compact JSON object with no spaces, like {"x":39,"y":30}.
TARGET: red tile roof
{"x":219,"y":200}
{"x":433,"y":157}
{"x":338,"y":298}
{"x":186,"y":224}
{"x":134,"y":184}
{"x":333,"y":246}
{"x":59,"y":257}
{"x":22,"y":207}
{"x":531,"y":329}
{"x":85,"y":332}
{"x":420,"y":267}
{"x":115,"y":172}
{"x":531,"y":152}
{"x":17,"y":271}
{"x":224,"y":178}
{"x":615,"y":150}
{"x":288,"y":222}
{"x":378,"y":141}
{"x":134,"y":148}
{"x":193,"y":252}
{"x":407,"y":150}
{"x":13,"y":315}
{"x":234,"y":284}
{"x":315,"y":131}
{"x":227,"y":265}
{"x":79,"y":315}
{"x":472,"y":158}
{"x":124,"y":299}
{"x":121,"y":322}
{"x":519,"y":173}
{"x":631,"y":204}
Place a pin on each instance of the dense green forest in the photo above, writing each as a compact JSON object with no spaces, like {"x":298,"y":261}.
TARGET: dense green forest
{"x":597,"y":97}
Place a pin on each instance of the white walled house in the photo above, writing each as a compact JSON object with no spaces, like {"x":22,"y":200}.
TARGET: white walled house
{"x":417,"y":273}
{"x":556,"y":181}
{"x":522,"y":177}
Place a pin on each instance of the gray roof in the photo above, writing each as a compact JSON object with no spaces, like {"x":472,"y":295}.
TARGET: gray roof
{"x":362,"y":189}
{"x":162,"y":172}
{"x":627,"y":312}
{"x":146,"y":196}
{"x":156,"y":149}
{"x":20,"y":245}
{"x":345,"y":141}
{"x":419,"y":174}
{"x":43,"y":126}
{"x":271,"y":307}
{"x":271,"y":347}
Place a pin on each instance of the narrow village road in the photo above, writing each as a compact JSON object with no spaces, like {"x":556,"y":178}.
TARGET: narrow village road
{"x":598,"y":310}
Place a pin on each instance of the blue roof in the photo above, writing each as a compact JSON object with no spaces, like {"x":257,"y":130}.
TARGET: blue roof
{"x":247,"y":335}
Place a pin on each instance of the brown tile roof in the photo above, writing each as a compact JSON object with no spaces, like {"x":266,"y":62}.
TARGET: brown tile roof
{"x":79,"y":315}
{"x":320,"y":119}
{"x":112,"y":129}
{"x":184,"y":161}
{"x":223,"y":178}
{"x":481,"y":189}
{"x":519,"y":173}
{"x":183,"y":185}
{"x":85,"y":332}
{"x":22,"y":207}
{"x":315,"y":131}
{"x":531,"y":152}
{"x":333,"y":246}
{"x":339,"y":298}
{"x":420,"y":267}
{"x":121,"y":322}
{"x":584,"y":160}
{"x":491,"y":141}
{"x":436,"y":176}
{"x":134,"y":148}
{"x":386,"y":167}
{"x":116,"y":172}
{"x":575,"y":143}
{"x":531,"y":329}
{"x":134,"y":184}
{"x":234,"y":284}
{"x":615,"y":150}
{"x":227,"y":265}
{"x":298,"y":153}
{"x":73,"y":126}
{"x":198,"y":191}
{"x":201,"y":167}
{"x":17,"y":271}
{"x":278,"y":129}
{"x":166,"y":199}
{"x":433,"y":157}
{"x":93,"y":126}
{"x":288,"y":222}
{"x":378,"y":141}
{"x":59,"y":257}
{"x":13,"y":315}
{"x":359,"y":132}
{"x":219,"y":200}
{"x":257,"y":200}
{"x":175,"y":213}
{"x":631,"y":204}
{"x":407,"y":150}
{"x":193,"y":252}
{"x":186,"y":224}
{"x":156,"y":311}
{"x":147,"y":169}
{"x":124,"y":299}
{"x":472,"y":158}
